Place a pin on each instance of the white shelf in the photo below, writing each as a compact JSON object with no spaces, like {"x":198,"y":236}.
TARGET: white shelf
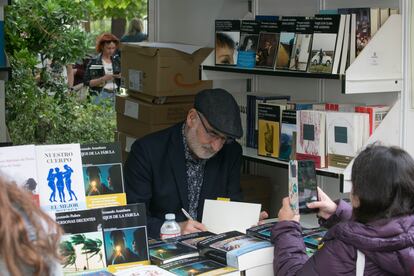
{"x":378,"y":68}
{"x":251,"y":154}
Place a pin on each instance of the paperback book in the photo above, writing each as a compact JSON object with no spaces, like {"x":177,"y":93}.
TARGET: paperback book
{"x":268,"y":43}
{"x":301,"y":45}
{"x":269,"y":117}
{"x":249,"y":38}
{"x":287,"y":149}
{"x":287,"y":36}
{"x":166,"y":251}
{"x":102,"y":173}
{"x":227,"y":41}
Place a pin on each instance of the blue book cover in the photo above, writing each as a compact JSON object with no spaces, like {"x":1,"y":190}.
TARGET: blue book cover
{"x":2,"y":49}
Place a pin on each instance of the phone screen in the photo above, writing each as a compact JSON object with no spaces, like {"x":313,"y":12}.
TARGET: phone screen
{"x":307,"y":185}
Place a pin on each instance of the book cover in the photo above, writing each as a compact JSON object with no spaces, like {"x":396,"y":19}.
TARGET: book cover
{"x":263,"y":231}
{"x":165,"y":251}
{"x":286,"y":41}
{"x":199,"y":266}
{"x":82,"y":247}
{"x":103,"y":176}
{"x":237,"y":250}
{"x":287,"y":149}
{"x":269,"y":117}
{"x":18,"y":165}
{"x":376,"y":114}
{"x":125,"y":236}
{"x":344,"y":132}
{"x":326,"y":28}
{"x":301,"y":46}
{"x":193,"y":238}
{"x":345,"y":45}
{"x":60,"y":178}
{"x":310,"y":140}
{"x":253,"y":99}
{"x":227,"y":41}
{"x":268,"y":43}
{"x":249,"y":38}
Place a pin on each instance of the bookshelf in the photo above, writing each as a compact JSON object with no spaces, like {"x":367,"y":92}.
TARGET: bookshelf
{"x":378,"y":69}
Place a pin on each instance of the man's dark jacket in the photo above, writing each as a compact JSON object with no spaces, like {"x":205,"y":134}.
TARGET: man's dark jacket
{"x":155,"y":174}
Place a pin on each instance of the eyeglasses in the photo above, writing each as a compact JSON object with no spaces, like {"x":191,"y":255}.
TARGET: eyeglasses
{"x":214,"y":134}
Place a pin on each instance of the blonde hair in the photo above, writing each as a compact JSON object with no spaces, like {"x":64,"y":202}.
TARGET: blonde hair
{"x":18,"y":213}
{"x":135,"y":27}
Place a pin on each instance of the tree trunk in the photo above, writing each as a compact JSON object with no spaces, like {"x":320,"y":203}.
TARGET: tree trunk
{"x":118,"y":27}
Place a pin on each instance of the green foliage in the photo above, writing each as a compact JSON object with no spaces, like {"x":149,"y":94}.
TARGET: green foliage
{"x":40,"y":109}
{"x":120,"y":9}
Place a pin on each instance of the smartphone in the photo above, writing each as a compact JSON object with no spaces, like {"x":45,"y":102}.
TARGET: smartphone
{"x":303,"y":186}
{"x":307,"y":185}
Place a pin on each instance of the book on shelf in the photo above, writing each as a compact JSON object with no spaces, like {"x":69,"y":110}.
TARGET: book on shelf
{"x":227,"y":37}
{"x":268,"y":44}
{"x":376,"y":114}
{"x":112,"y":237}
{"x":237,"y":250}
{"x":367,"y":24}
{"x":18,"y":165}
{"x":347,"y":132}
{"x":102,"y":174}
{"x":384,"y":14}
{"x":287,"y":149}
{"x":59,"y":171}
{"x":301,"y":46}
{"x":269,"y":119}
{"x":199,"y":266}
{"x":253,"y":99}
{"x":325,"y":38}
{"x":310,"y":140}
{"x":144,"y":270}
{"x":303,"y":186}
{"x":249,"y":39}
{"x":287,"y":36}
{"x":345,"y":45}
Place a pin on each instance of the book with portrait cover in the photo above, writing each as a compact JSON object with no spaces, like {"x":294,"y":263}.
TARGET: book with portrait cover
{"x":125,"y":236}
{"x":249,"y":37}
{"x":18,"y":165}
{"x":227,"y":37}
{"x":102,"y":174}
{"x":199,"y":266}
{"x":268,"y":43}
{"x":60,"y":178}
{"x":237,"y":250}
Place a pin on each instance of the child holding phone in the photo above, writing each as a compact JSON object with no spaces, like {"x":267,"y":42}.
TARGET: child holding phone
{"x":378,"y":225}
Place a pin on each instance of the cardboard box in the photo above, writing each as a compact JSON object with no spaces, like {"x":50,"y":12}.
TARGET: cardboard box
{"x":163,"y":69}
{"x":155,"y":114}
{"x":256,"y":189}
{"x":160,"y":100}
{"x":136,"y":128}
{"x":126,"y":142}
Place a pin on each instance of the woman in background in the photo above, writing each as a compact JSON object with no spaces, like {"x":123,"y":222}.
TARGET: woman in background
{"x":377,"y":228}
{"x":134,"y":32}
{"x":103,"y":72}
{"x":29,"y":238}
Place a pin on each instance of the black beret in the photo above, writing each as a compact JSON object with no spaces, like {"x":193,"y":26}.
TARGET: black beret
{"x":221,"y":111}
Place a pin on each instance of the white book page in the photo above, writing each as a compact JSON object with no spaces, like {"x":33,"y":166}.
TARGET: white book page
{"x":221,"y":216}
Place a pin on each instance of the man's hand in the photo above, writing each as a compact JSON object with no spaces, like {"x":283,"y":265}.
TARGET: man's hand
{"x":263,"y":215}
{"x":191,"y":226}
{"x":326,"y":206}
{"x":286,"y":212}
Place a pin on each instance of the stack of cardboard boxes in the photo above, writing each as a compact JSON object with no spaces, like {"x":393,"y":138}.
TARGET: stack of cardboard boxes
{"x":161,"y":80}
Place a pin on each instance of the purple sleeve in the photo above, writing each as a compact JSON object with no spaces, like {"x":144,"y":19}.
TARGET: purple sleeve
{"x":343,"y":213}
{"x":289,"y":250}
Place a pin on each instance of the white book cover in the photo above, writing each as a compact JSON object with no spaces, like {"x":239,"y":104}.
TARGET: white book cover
{"x":345,"y":45}
{"x":310,"y":139}
{"x":18,"y":164}
{"x":144,"y":270}
{"x":338,"y":46}
{"x":60,"y":175}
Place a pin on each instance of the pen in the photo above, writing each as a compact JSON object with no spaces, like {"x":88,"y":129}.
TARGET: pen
{"x":186,"y":214}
